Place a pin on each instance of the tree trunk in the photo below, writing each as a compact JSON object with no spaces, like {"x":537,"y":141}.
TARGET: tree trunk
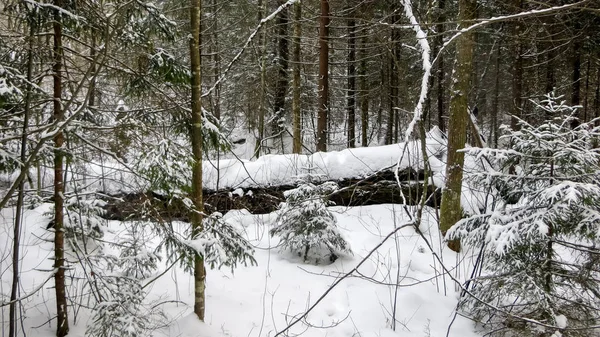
{"x":12,"y":329}
{"x":322,"y":118}
{"x":550,"y":56}
{"x":576,"y":81}
{"x":394,"y":78}
{"x":92,"y":95}
{"x":364,"y":94}
{"x":378,"y":188}
{"x":196,"y":136}
{"x":587,"y":89}
{"x":62,"y":321}
{"x":216,"y":61}
{"x":439,"y":41}
{"x":297,"y":132}
{"x":392,"y":70}
{"x":351,"y":104}
{"x":263,"y":84}
{"x":282,"y":74}
{"x":517,"y":75}
{"x":550,"y":72}
{"x":495,"y":104}
{"x":597,"y":96}
{"x":451,"y":211}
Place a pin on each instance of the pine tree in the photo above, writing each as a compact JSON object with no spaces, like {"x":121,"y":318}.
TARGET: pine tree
{"x":305,"y":223}
{"x":540,"y":236}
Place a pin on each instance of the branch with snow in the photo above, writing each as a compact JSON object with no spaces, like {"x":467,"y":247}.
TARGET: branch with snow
{"x":248,"y":41}
{"x":495,"y":19}
{"x":425,"y":56}
{"x":418,"y":112}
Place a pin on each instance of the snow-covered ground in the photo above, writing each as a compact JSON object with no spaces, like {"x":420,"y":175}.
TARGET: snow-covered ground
{"x":262,"y":300}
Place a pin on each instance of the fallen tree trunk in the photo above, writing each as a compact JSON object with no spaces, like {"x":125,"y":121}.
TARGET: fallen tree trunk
{"x":379,"y":188}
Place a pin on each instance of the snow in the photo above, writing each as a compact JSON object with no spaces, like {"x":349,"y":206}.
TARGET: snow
{"x":561,"y":321}
{"x":113,"y":177}
{"x":287,"y":169}
{"x":425,"y":55}
{"x":262,"y":300}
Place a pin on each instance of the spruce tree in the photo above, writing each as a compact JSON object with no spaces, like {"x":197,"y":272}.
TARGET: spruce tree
{"x":539,"y":237}
{"x":305,"y":223}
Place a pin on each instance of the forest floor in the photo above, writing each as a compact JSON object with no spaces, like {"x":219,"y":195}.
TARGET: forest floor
{"x":262,"y":300}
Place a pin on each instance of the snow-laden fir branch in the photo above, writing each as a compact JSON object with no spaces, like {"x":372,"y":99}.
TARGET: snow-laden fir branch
{"x":247,"y":43}
{"x":56,"y":8}
{"x":495,"y":19}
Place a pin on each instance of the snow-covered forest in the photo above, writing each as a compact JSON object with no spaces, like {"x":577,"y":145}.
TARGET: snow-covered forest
{"x":299,"y":168}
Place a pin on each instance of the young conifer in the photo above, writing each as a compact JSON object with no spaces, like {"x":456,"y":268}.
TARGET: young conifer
{"x":539,"y":237}
{"x":304,"y":223}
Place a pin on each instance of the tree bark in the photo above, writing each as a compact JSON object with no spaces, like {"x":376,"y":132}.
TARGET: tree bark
{"x":393,"y":78}
{"x":439,"y":41}
{"x":550,"y":56}
{"x":263,"y":86}
{"x":597,"y":95}
{"x":576,"y":74}
{"x":12,"y":329}
{"x":322,"y":118}
{"x":364,"y":92}
{"x":297,"y":119}
{"x":351,"y":95}
{"x":196,"y":136}
{"x":495,"y":103}
{"x":587,"y":89}
{"x":282,"y":73}
{"x":517,"y":74}
{"x":92,"y":95}
{"x":62,"y":321}
{"x":378,"y":188}
{"x":451,"y":211}
{"x":550,"y":73}
{"x":217,"y":62}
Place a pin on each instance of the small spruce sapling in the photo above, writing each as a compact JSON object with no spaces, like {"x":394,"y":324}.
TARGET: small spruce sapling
{"x":538,"y":242}
{"x":305,"y":223}
{"x":136,"y":258}
{"x":221,"y":244}
{"x":120,"y":311}
{"x":117,"y":283}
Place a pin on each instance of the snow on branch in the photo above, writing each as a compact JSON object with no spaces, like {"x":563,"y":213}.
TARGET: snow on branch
{"x":248,"y":41}
{"x":495,"y":19}
{"x":56,"y":8}
{"x":425,"y":55}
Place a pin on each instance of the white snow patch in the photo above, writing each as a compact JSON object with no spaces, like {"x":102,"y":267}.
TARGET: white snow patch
{"x":561,"y":321}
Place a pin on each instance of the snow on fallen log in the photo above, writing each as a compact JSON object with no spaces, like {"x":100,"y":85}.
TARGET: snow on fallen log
{"x":289,"y":169}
